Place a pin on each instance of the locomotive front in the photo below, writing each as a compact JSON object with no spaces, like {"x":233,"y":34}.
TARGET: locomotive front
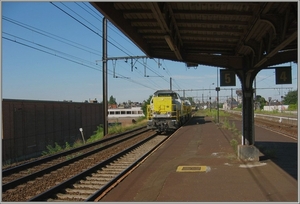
{"x":165,"y":111}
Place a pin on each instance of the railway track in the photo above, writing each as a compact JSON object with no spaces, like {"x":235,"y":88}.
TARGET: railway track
{"x":91,"y":184}
{"x":287,"y":129}
{"x":20,"y":183}
{"x":86,"y":173}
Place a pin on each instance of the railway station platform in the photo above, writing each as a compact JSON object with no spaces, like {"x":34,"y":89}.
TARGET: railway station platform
{"x":198,"y":164}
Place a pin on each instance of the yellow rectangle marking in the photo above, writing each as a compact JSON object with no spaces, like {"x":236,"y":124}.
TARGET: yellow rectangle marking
{"x":191,"y":169}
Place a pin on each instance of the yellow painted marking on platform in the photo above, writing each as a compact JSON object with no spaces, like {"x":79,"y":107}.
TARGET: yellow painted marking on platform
{"x":191,"y":169}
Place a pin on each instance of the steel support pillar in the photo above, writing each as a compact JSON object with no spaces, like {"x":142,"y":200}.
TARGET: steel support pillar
{"x":247,"y":151}
{"x":248,"y":118}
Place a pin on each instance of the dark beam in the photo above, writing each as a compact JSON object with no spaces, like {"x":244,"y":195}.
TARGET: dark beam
{"x":177,"y":12}
{"x":277,"y":49}
{"x":232,"y":62}
{"x":186,"y":36}
{"x":193,"y":22}
{"x":227,"y":13}
{"x":116,"y":17}
{"x":282,"y":57}
{"x":185,"y":29}
{"x":212,"y":22}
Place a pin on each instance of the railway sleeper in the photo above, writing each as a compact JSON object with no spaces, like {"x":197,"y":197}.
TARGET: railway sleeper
{"x":133,"y":157}
{"x":79,"y":191}
{"x":113,"y":170}
{"x":108,"y":175}
{"x":89,"y":185}
{"x":118,"y":164}
{"x":72,"y":196}
{"x":57,"y":200}
{"x":121,"y":161}
{"x":124,"y":166}
{"x":99,"y":178}
{"x":129,"y":157}
{"x":94,"y":182}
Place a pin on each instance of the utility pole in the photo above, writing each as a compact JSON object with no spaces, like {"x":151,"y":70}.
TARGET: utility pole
{"x":104,"y":76}
{"x":218,"y":89}
{"x":231,"y":99}
{"x":171,"y":83}
{"x":210,"y":97}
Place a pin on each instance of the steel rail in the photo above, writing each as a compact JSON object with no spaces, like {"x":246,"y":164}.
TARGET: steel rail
{"x":21,"y":167}
{"x":56,"y":189}
{"x":24,"y":179}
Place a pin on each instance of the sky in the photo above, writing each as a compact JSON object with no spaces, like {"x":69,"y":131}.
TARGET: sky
{"x":53,"y":51}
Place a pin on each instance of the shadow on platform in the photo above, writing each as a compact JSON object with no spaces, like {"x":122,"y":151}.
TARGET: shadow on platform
{"x":196,"y":120}
{"x":283,"y":154}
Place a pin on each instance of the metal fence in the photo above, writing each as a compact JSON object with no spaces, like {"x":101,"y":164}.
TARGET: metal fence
{"x":30,"y":126}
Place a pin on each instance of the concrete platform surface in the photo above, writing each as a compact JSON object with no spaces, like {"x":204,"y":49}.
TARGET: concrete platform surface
{"x":198,"y":164}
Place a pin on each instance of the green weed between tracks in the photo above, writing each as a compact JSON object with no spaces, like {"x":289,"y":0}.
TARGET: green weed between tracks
{"x":236,"y":134}
{"x":98,"y":135}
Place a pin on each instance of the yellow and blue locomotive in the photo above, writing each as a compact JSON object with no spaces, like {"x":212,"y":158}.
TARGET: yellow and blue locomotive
{"x":167,"y":111}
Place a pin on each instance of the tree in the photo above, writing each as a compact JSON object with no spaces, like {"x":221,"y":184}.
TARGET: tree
{"x":291,"y":98}
{"x":112,"y":100}
{"x":239,"y":92}
{"x":144,"y":107}
{"x":261,"y":100}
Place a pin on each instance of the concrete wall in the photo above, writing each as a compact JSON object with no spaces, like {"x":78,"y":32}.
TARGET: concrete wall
{"x":276,"y":108}
{"x":30,"y":126}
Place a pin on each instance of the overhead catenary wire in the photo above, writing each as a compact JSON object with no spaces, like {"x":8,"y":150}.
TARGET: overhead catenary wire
{"x":82,"y":47}
{"x":60,"y":39}
{"x":137,"y":70}
{"x":111,"y":25}
{"x":43,"y":46}
{"x":81,"y":16}
{"x":93,"y":31}
{"x":65,"y":58}
{"x":49,"y":53}
{"x":86,"y":26}
{"x":53,"y":36}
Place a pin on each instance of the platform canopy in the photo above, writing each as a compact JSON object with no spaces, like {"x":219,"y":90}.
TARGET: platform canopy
{"x":234,"y":35}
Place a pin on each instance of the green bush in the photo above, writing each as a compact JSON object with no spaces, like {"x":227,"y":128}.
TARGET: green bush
{"x":52,"y":150}
{"x":293,"y":107}
{"x":98,"y":134}
{"x":234,"y":144}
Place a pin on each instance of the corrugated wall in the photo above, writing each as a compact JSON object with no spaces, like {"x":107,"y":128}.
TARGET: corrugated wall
{"x":30,"y":126}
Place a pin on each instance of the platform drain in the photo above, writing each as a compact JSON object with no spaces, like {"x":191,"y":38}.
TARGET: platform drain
{"x":191,"y":169}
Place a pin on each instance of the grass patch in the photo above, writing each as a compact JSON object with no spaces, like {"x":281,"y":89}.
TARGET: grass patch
{"x":98,"y":135}
{"x":231,"y":156}
{"x":52,"y":150}
{"x":234,"y":144}
{"x":275,"y":113}
{"x":212,"y":113}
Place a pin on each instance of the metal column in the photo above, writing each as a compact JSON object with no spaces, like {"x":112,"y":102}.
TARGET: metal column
{"x":247,"y":151}
{"x":248,"y":117}
{"x":104,"y":72}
